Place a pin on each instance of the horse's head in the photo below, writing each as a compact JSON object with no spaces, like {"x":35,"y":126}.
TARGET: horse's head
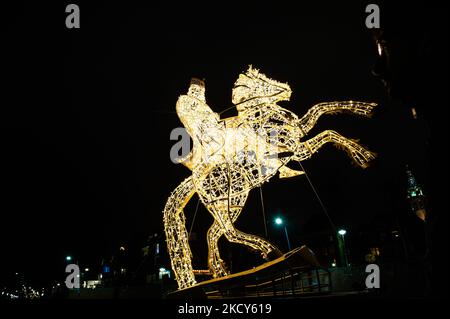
{"x":253,"y":88}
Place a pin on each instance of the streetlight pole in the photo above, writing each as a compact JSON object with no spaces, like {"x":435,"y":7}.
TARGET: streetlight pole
{"x":279,"y":221}
{"x":287,"y":238}
{"x":342,"y":248}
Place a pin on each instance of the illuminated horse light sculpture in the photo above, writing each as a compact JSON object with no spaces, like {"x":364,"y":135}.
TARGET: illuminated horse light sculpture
{"x":234,"y":155}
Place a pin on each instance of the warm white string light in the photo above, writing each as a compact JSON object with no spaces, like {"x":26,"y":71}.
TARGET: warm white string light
{"x":234,"y":155}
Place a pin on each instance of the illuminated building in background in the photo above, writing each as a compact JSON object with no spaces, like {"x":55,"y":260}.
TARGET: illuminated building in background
{"x":415,"y":195}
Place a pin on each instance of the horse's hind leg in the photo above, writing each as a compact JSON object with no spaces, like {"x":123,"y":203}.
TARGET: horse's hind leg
{"x":310,"y":119}
{"x":176,"y":234}
{"x":359,"y":154}
{"x":216,"y":265}
{"x":225,"y":221}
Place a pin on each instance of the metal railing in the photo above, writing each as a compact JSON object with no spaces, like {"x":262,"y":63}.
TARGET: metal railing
{"x":295,"y":282}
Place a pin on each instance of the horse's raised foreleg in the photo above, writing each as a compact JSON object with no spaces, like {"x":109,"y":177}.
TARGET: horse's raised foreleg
{"x":308,"y":121}
{"x":359,"y":154}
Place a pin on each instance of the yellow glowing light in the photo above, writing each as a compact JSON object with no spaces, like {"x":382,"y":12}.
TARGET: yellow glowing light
{"x":380,"y":48}
{"x":231,"y":156}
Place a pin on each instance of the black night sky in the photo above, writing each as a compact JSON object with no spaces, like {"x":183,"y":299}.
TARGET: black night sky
{"x":86,"y":116}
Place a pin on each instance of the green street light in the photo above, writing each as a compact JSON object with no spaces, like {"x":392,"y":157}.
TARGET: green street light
{"x":342,"y":232}
{"x":68,"y":258}
{"x":278,"y":221}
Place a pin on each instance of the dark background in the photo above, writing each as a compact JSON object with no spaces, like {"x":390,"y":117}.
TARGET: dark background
{"x":86,"y":116}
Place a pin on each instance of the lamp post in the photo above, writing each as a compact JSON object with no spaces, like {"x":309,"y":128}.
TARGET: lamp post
{"x":279,"y":221}
{"x":342,"y":249}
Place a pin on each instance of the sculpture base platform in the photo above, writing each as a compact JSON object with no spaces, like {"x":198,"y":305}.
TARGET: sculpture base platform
{"x":296,"y":273}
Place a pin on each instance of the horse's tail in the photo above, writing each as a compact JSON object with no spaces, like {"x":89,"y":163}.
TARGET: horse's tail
{"x":176,"y":234}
